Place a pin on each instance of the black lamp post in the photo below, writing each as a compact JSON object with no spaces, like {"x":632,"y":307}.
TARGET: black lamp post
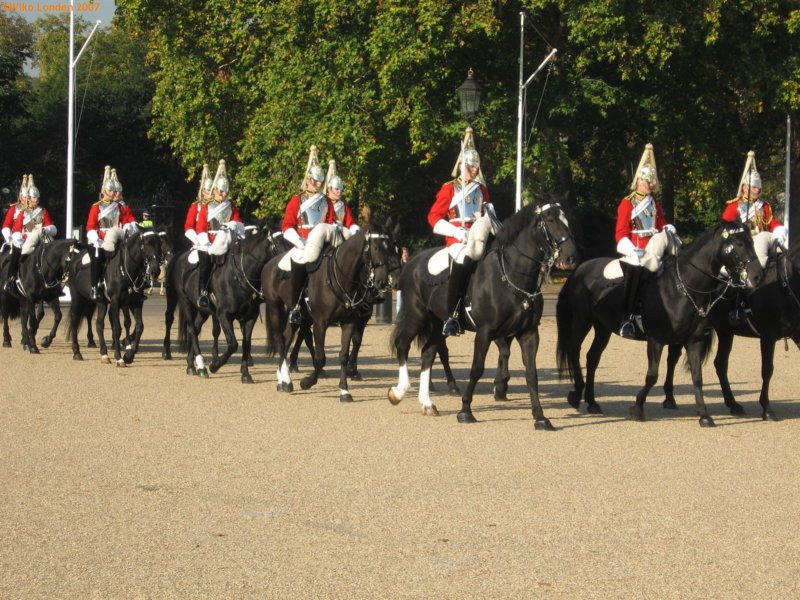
{"x":469,"y":94}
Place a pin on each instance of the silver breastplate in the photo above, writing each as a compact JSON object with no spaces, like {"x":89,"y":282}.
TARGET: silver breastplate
{"x":108,"y":216}
{"x":32,"y":218}
{"x":339,"y":207}
{"x":314,"y":214}
{"x":646,"y":220}
{"x":469,"y":208}
{"x":752,"y":213}
{"x":218,"y":214}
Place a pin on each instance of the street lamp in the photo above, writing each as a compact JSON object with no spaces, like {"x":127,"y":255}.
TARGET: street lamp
{"x":469,"y":94}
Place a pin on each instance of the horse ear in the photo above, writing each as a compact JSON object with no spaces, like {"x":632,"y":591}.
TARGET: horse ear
{"x":396,"y":231}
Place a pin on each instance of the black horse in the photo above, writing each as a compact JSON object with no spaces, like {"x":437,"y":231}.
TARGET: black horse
{"x":335,"y":291}
{"x":674,"y":307}
{"x":42,"y":275}
{"x":769,"y":312}
{"x":127,"y":276}
{"x":503,"y":300}
{"x":235,"y":295}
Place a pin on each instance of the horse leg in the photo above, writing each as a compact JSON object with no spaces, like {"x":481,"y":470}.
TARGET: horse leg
{"x":599,"y":343}
{"x":169,"y":319}
{"x":99,"y":324}
{"x":502,"y":374}
{"x":90,"y":343}
{"x":673,"y":354}
{"x":694,"y":354}
{"x":133,"y":348}
{"x":298,"y":343}
{"x":194,"y":358}
{"x":216,"y":329}
{"x":75,"y":318}
{"x":482,"y":340}
{"x":6,"y":331}
{"x":48,"y":339}
{"x":247,"y":340}
{"x":444,"y":358}
{"x":529,"y":342}
{"x":429,"y":351}
{"x":320,"y":329}
{"x":654,"y":350}
{"x":724,"y":346}
{"x":116,"y":333}
{"x":402,"y":343}
{"x":28,"y":322}
{"x":348,"y":334}
{"x":243,"y":328}
{"x":231,"y":345}
{"x":767,"y":368}
{"x":279,"y":324}
{"x":352,"y":359}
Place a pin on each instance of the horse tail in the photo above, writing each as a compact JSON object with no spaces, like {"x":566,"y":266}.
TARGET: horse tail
{"x":564,"y":318}
{"x":183,"y":340}
{"x":272,"y":342}
{"x":11,"y":306}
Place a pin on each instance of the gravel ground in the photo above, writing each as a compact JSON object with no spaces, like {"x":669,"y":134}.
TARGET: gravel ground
{"x":143,"y":482}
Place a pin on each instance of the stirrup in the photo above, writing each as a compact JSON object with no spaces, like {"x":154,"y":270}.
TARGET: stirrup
{"x":202,"y":300}
{"x":627,"y":330}
{"x":451,"y":327}
{"x":9,"y":284}
{"x":294,"y":316}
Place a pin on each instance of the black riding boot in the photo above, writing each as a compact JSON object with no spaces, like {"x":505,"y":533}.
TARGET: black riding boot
{"x":633,"y":275}
{"x":299,"y":277}
{"x":203,"y":275}
{"x":459,"y":277}
{"x":13,"y":268}
{"x":97,"y":265}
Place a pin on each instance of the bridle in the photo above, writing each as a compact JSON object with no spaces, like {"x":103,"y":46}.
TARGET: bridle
{"x":361,"y":290}
{"x":137,"y":284}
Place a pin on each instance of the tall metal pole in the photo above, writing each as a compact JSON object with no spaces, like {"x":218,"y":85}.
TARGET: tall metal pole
{"x":788,"y":191}
{"x":521,"y":104}
{"x":73,"y":60}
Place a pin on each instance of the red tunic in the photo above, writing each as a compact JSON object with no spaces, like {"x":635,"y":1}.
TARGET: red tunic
{"x":19,"y":225}
{"x":441,"y":207}
{"x":625,"y":224}
{"x":202,"y":219}
{"x":92,"y":223}
{"x":347,"y":218}
{"x":765,"y":221}
{"x":291,"y":216}
{"x":11,"y":214}
{"x":191,"y":217}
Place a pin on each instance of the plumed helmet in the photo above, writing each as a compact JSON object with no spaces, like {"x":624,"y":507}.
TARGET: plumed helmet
{"x":313,"y":169}
{"x":750,"y":175}
{"x":221,"y":182}
{"x":205,"y":182}
{"x":117,"y":185}
{"x":33,"y":191}
{"x":647,"y":169}
{"x":108,"y":183}
{"x":332,"y":179}
{"x":23,"y":188}
{"x":469,"y":155}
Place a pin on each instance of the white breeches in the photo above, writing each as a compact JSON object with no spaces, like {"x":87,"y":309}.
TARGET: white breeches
{"x":321,"y":234}
{"x":111,"y":238}
{"x":659,"y":244}
{"x":221,"y":243}
{"x":475,"y":246}
{"x":762,"y":242}
{"x":30,"y":243}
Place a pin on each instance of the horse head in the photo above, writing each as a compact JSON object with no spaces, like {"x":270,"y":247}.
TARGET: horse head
{"x":381,"y":257}
{"x":553,"y":231}
{"x":737,"y":254}
{"x":150,"y":246}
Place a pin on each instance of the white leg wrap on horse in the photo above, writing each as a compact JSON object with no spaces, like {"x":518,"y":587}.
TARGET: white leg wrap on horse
{"x":199,"y":363}
{"x":283,"y":373}
{"x":403,"y":383}
{"x":425,"y":387}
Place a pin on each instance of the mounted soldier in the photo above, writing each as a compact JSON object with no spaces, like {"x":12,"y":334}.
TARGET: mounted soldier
{"x":755,"y":212}
{"x":218,"y":221}
{"x":334,"y":189}
{"x":109,"y":219}
{"x":463,"y":214}
{"x":308,"y":223}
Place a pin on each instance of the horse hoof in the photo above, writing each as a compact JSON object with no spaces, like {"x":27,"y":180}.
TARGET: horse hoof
{"x":306,"y":383}
{"x":121,"y":363}
{"x":768,"y":415}
{"x":737,"y":410}
{"x":293,"y":368}
{"x":393,"y":397}
{"x":288,"y":387}
{"x":33,"y":350}
{"x":46,"y":341}
{"x":500,"y":396}
{"x":707,"y":422}
{"x":25,"y":347}
{"x":6,"y":344}
{"x":670,"y":404}
{"x":453,"y":389}
{"x":594,"y":409}
{"x":91,"y":344}
{"x":77,"y":356}
{"x":466,"y":417}
{"x":345,"y":398}
{"x":574,"y":400}
{"x":430,"y":411}
{"x":637,"y":413}
{"x":127,"y":359}
{"x":191,"y":371}
{"x":246,"y":378}
{"x":166,"y":356}
{"x":202,"y":373}
{"x":213,"y":367}
{"x":543,"y":425}
{"x":354,"y":376}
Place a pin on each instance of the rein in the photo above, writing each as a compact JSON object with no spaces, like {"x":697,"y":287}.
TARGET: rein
{"x":257,"y":293}
{"x":124,"y":268}
{"x":40,"y":267}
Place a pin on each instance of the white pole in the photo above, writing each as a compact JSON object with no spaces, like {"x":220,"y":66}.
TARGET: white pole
{"x":73,"y":60}
{"x":788,"y":190}
{"x":521,"y":102}
{"x":520,"y":111}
